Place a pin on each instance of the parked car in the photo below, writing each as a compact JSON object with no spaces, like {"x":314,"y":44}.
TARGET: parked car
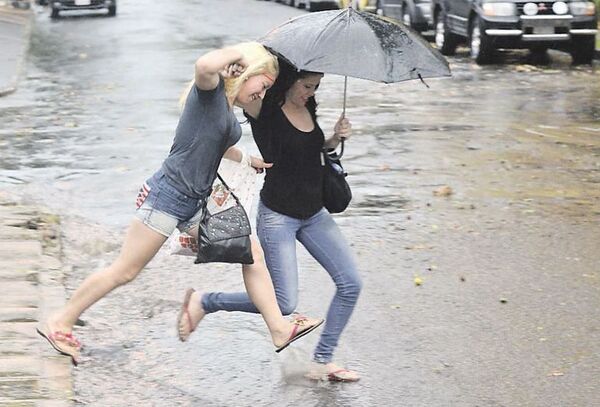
{"x":316,"y":5}
{"x":56,"y":6}
{"x":487,"y":25}
{"x":413,"y":13}
{"x":362,"y":5}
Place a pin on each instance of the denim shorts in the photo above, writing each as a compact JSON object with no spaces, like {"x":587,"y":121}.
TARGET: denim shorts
{"x":163,"y":208}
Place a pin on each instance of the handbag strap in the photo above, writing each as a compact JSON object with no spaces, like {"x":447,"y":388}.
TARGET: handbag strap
{"x":227,"y":187}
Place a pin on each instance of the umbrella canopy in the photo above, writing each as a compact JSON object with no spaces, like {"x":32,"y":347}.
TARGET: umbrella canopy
{"x":356,"y":44}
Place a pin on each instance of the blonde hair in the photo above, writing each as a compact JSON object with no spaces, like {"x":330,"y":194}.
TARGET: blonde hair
{"x":260,"y":61}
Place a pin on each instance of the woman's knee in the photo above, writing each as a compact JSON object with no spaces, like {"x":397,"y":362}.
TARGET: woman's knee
{"x":351,"y":287}
{"x":122,"y":274}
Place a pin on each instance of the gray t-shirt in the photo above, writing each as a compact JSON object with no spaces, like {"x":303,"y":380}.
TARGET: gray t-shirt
{"x":207,"y":128}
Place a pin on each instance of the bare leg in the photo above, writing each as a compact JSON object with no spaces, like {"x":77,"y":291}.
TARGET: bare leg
{"x":140,"y":245}
{"x":260,"y":290}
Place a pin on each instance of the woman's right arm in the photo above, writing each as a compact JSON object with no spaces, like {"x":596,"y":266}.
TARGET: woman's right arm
{"x":209,"y":65}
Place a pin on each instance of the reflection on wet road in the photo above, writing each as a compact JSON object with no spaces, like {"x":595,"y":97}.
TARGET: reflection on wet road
{"x":517,"y":144}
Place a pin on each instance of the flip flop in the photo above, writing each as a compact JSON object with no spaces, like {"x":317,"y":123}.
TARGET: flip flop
{"x":299,"y":331}
{"x":55,"y":338}
{"x":184,"y":311}
{"x":339,"y":376}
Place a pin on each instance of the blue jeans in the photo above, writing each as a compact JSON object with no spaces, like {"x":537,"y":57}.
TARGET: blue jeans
{"x":324,"y":241}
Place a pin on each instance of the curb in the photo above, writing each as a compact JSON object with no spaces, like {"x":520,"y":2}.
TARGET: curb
{"x":26,"y":18}
{"x":31,"y":275}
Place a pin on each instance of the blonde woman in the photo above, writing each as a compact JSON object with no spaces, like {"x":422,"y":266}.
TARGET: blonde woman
{"x":171,"y":198}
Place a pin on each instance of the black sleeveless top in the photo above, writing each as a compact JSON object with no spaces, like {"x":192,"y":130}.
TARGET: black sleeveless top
{"x":293,"y":186}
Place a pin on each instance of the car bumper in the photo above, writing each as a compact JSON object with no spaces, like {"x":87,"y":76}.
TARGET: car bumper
{"x":73,"y":5}
{"x":528,"y":30}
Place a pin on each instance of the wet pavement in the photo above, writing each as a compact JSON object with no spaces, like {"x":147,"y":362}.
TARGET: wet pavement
{"x":484,"y":187}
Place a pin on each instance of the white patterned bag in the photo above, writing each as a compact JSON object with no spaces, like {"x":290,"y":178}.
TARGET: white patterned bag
{"x":241,"y":178}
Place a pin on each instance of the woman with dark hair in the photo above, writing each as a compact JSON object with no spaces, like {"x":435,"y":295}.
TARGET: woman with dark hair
{"x":288,"y":135}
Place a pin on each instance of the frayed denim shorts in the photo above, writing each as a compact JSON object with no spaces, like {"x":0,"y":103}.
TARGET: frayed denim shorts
{"x":163,"y":208}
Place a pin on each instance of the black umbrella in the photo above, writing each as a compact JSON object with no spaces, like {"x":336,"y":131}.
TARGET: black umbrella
{"x":357,"y":44}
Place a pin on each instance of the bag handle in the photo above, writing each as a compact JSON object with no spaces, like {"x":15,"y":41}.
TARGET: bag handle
{"x":229,"y":189}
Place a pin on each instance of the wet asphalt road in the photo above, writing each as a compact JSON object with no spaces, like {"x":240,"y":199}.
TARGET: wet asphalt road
{"x":507,"y":312}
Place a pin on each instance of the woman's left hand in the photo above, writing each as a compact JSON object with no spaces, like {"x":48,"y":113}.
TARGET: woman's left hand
{"x":342,"y":129}
{"x":259,"y":164}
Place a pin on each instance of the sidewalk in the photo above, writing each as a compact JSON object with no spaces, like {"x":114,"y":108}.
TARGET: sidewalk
{"x":31,"y":373}
{"x":15,"y":31}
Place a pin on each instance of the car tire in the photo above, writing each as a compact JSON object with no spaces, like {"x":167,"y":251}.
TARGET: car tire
{"x":112,"y":11}
{"x":406,"y":17}
{"x":582,"y":50}
{"x":481,"y":47}
{"x":444,"y":39}
{"x":54,"y":12}
{"x":378,"y":9}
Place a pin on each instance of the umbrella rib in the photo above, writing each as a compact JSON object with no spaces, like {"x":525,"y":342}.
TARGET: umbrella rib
{"x":316,"y":40}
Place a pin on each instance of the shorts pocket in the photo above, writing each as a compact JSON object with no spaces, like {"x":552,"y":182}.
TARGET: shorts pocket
{"x":142,"y":195}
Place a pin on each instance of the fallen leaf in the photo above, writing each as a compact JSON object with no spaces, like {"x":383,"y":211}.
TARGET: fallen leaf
{"x":443,"y":191}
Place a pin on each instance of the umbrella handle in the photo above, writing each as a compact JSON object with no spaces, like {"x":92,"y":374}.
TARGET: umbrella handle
{"x":341,"y":153}
{"x":345,"y":88}
{"x":333,"y":154}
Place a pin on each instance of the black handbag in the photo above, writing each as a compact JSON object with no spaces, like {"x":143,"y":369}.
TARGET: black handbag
{"x":224,"y":237}
{"x":336,"y":191}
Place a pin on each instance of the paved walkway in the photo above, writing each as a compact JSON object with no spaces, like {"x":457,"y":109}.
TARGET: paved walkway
{"x":31,"y":373}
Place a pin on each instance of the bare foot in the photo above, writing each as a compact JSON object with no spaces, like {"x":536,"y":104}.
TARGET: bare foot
{"x":296,"y":329}
{"x":190,"y":315}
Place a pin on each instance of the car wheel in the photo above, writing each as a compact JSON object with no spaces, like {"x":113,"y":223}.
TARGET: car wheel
{"x":406,"y":18}
{"x":444,"y":39}
{"x":482,"y":50}
{"x":112,"y":11}
{"x":582,"y":50}
{"x":54,"y":12}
